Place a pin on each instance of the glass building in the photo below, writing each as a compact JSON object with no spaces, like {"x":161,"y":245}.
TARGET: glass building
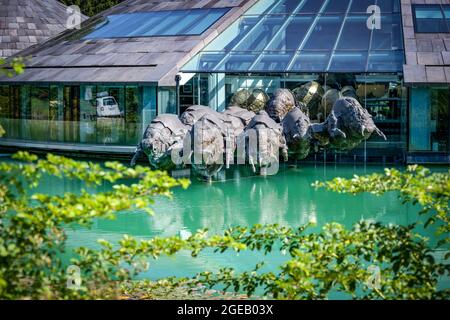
{"x":134,"y":51}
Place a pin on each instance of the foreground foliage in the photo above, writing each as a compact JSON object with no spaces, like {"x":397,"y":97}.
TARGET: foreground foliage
{"x":32,"y":235}
{"x":13,"y":67}
{"x":369,"y":261}
{"x":417,"y":185}
{"x":92,"y":7}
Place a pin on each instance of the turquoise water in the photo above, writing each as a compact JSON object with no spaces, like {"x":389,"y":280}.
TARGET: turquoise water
{"x":241,"y":199}
{"x":287,"y":199}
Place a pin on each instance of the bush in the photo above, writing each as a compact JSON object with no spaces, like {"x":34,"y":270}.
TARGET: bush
{"x":369,"y":261}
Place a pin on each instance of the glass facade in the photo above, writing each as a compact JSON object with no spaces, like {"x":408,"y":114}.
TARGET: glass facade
{"x":68,"y":113}
{"x":430,"y":119}
{"x":307,"y":36}
{"x":274,"y":44}
{"x":384,"y":96}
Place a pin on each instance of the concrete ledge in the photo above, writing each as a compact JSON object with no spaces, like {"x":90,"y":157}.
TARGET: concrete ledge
{"x":68,"y":147}
{"x":426,"y":158}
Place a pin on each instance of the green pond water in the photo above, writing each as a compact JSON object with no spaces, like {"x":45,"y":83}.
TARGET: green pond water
{"x":242,"y":199}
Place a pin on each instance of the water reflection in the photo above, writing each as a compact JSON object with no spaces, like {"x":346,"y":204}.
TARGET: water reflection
{"x":286,"y":199}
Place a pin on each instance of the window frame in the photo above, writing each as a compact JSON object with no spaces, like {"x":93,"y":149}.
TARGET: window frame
{"x":444,"y":18}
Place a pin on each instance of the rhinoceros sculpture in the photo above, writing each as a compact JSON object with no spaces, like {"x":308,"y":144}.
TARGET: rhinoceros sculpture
{"x":209,"y":137}
{"x":297,"y":131}
{"x":349,"y":124}
{"x":164,"y":135}
{"x":310,"y":95}
{"x":281,"y":104}
{"x":264,"y":140}
{"x":328,"y":100}
{"x":254,"y":101}
{"x":240,"y":98}
{"x":194,"y":114}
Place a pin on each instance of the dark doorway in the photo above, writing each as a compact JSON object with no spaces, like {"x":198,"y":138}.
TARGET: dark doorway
{"x":71,"y":113}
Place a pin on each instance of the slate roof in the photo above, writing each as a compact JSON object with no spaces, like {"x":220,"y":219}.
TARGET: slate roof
{"x":427,"y":54}
{"x":24,"y":23}
{"x":69,"y":58}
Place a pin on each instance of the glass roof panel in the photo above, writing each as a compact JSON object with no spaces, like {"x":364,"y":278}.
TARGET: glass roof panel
{"x":324,"y":34}
{"x":286,"y":6}
{"x":361,"y":6}
{"x":340,"y":6}
{"x":158,"y":23}
{"x":389,"y":6}
{"x":348,"y":61}
{"x":261,"y":35}
{"x":310,"y":62}
{"x":274,"y":62}
{"x":355,"y":34}
{"x":385,"y":60}
{"x":237,"y":62}
{"x":389,"y":37}
{"x":292,"y":35}
{"x":306,"y":36}
{"x":311,"y":6}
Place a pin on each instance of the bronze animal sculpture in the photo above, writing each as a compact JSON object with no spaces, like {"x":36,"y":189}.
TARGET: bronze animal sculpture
{"x":214,"y":137}
{"x":163,"y":136}
{"x":281,"y":104}
{"x":297,"y":131}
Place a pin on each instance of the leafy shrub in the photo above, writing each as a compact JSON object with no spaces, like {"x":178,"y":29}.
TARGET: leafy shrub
{"x":33,"y":238}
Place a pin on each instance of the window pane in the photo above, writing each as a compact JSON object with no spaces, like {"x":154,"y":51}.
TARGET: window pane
{"x":447,"y":14}
{"x":293,"y":35}
{"x":339,"y":6}
{"x":146,"y":25}
{"x":348,"y":61}
{"x":286,"y":6}
{"x":311,"y":6}
{"x":261,"y":35}
{"x":355,"y":34}
{"x":161,"y":23}
{"x":231,"y":37}
{"x":40,"y":102}
{"x":325,"y":33}
{"x":389,"y":6}
{"x":209,"y":61}
{"x":386,"y":61}
{"x":430,"y":19}
{"x":361,"y":6}
{"x":237,"y":62}
{"x":4,"y":102}
{"x":389,"y":37}
{"x":429,"y":119}
{"x":311,"y":61}
{"x":274,"y":62}
{"x":208,"y":20}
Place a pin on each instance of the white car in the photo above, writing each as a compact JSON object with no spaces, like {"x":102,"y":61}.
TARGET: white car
{"x":108,"y":107}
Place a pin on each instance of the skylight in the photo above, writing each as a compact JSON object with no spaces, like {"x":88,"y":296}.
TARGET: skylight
{"x":158,"y":23}
{"x":431,"y":18}
{"x":307,"y":36}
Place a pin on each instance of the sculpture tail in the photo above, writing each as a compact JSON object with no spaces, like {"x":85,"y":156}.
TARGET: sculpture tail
{"x":139,"y":152}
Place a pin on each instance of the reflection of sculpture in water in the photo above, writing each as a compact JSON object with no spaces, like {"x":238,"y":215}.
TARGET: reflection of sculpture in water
{"x":290,"y":125}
